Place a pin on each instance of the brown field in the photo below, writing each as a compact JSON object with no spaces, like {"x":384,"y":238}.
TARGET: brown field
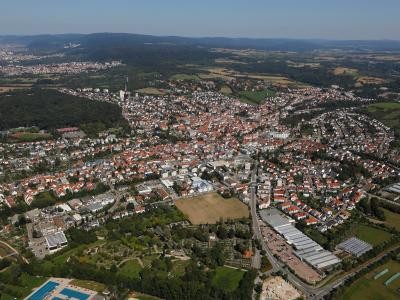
{"x":151,"y":91}
{"x":211,"y":208}
{"x":369,"y":80}
{"x":5,"y":89}
{"x":344,"y":71}
{"x":273,"y":79}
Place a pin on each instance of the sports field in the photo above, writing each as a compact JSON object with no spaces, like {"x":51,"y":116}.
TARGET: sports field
{"x":211,"y":208}
{"x":368,"y":288}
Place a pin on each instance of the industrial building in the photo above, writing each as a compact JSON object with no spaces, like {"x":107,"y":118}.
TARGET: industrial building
{"x":306,"y":249}
{"x":355,"y":246}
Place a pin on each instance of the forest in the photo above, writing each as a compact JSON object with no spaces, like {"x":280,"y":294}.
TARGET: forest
{"x":50,"y":109}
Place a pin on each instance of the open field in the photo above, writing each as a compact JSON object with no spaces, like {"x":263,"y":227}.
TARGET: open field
{"x":256,"y":97}
{"x":211,"y":208}
{"x":392,"y":219}
{"x":372,"y":235}
{"x":369,"y":80}
{"x":345,"y":71}
{"x":88,"y":284}
{"x":276,"y":80}
{"x":131,"y":269}
{"x":29,"y":136}
{"x":227,"y":278}
{"x":151,"y":91}
{"x":5,"y":89}
{"x":369,"y":288}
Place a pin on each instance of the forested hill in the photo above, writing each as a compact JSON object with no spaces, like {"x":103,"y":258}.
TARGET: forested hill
{"x":50,"y":109}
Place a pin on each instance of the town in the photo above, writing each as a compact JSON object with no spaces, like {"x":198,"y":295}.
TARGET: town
{"x":300,"y":167}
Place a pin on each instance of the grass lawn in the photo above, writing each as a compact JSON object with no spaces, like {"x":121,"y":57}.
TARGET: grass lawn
{"x":178,"y":267}
{"x":88,"y":284}
{"x":392,"y":219}
{"x":255,"y":97}
{"x":372,"y":235}
{"x":211,"y":208}
{"x":131,"y":269}
{"x":370,"y":289}
{"x":227,"y":278}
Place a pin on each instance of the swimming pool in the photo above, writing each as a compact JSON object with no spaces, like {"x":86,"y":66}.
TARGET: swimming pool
{"x":42,"y":292}
{"x":74,"y":294}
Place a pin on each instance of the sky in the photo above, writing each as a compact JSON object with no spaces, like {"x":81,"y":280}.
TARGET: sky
{"x":328,"y":19}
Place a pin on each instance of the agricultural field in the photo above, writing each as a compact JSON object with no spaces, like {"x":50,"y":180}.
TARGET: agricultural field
{"x":345,"y":71}
{"x":227,"y":278}
{"x":211,"y":208}
{"x":369,"y":288}
{"x":386,"y":112}
{"x":392,"y":219}
{"x":372,"y":235}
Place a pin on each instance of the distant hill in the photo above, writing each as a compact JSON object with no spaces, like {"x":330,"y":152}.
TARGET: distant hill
{"x":50,"y":109}
{"x":127,"y":40}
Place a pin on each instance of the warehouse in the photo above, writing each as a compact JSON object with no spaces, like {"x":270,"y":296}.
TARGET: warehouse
{"x":306,"y":249}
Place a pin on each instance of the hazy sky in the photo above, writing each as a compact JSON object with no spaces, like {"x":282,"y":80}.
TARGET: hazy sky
{"x":336,"y":19}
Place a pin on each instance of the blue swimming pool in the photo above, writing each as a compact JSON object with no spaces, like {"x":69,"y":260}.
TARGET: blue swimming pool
{"x":74,"y":294}
{"x":42,"y":292}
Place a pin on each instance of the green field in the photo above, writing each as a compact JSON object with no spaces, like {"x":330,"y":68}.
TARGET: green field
{"x":386,"y":112}
{"x":392,"y":219}
{"x":131,"y":269}
{"x":256,"y":97}
{"x":227,"y":278}
{"x":370,"y":289}
{"x":372,"y":235}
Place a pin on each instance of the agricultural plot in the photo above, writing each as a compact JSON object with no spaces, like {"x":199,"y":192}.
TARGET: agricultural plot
{"x":211,"y":208}
{"x":369,"y":288}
